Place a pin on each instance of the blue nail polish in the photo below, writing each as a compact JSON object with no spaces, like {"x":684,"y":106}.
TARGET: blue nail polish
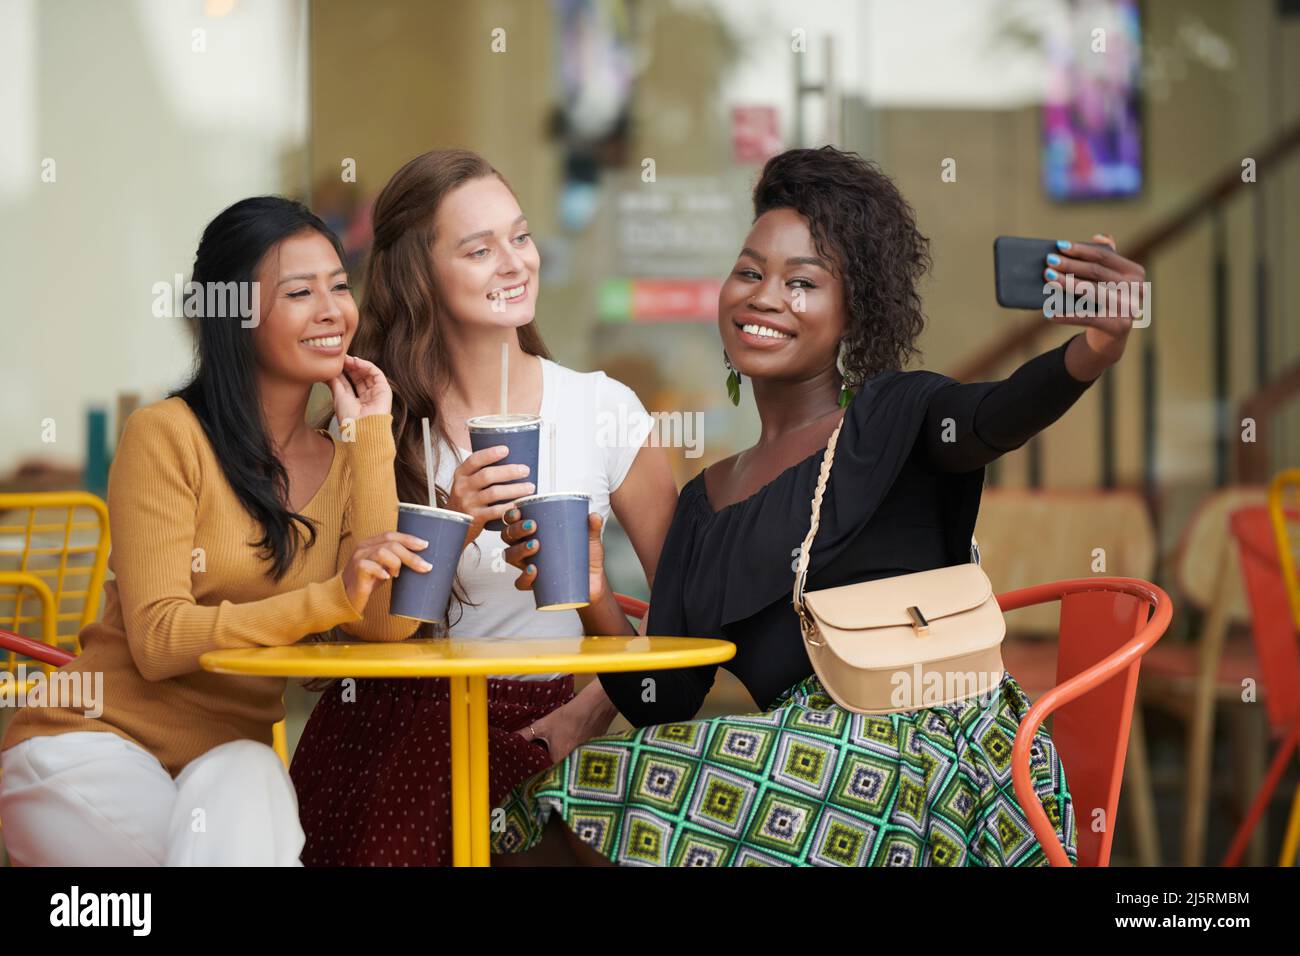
{"x":529,"y":525}
{"x":1053,"y":259}
{"x":532,"y":545}
{"x":1051,"y":273}
{"x":532,"y":569}
{"x":1062,"y":244}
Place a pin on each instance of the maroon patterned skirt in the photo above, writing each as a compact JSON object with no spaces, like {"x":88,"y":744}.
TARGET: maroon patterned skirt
{"x":374,"y":776}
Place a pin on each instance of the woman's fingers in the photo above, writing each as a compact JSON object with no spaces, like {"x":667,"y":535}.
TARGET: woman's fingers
{"x":520,"y":554}
{"x":406,"y":557}
{"x":481,"y":459}
{"x":409,"y":541}
{"x":525,"y":580}
{"x":341,"y":390}
{"x":1099,"y":263}
{"x":365,"y":374}
{"x":1063,"y":265}
{"x":387,"y":559}
{"x":501,"y":494}
{"x":495,"y":512}
{"x":516,"y":529}
{"x":373,"y":392}
{"x":498,"y":474}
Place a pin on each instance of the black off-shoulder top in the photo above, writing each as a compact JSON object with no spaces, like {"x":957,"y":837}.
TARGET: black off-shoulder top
{"x":903,"y":496}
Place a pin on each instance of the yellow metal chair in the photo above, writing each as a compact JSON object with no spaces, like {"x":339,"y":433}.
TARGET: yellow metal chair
{"x":1284,"y":508}
{"x":53,"y":559}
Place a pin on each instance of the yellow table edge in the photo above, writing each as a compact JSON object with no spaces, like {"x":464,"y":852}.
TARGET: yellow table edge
{"x":265,"y":662}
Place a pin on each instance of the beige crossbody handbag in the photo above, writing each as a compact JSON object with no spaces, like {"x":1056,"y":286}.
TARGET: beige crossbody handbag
{"x":901,"y":643}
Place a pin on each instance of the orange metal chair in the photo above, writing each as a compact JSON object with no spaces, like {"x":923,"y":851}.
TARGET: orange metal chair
{"x":632,"y":607}
{"x":1198,"y":681}
{"x":1106,"y":626}
{"x":1279,"y":660}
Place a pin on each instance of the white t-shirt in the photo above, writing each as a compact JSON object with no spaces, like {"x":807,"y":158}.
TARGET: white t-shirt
{"x":600,"y":425}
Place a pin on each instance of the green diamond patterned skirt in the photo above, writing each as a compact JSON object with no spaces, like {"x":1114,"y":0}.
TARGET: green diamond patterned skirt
{"x":806,"y":783}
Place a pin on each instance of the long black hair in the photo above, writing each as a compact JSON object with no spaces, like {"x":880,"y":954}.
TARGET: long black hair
{"x":223,"y":392}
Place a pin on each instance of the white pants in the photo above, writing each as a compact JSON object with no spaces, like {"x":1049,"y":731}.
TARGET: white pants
{"x":95,"y":799}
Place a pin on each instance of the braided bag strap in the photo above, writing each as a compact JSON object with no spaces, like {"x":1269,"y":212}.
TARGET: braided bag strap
{"x":801,"y":571}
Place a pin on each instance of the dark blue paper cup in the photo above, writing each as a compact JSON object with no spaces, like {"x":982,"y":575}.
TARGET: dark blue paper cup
{"x":519,"y":433}
{"x":563,"y":557}
{"x":423,"y":595}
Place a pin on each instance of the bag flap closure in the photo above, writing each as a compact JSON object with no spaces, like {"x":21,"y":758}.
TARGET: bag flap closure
{"x":884,"y":603}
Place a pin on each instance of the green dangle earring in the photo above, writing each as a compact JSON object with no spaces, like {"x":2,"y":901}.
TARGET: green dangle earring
{"x":733,"y":379}
{"x":846,"y":393}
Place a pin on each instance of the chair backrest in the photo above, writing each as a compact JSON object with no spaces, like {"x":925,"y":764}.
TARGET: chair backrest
{"x":1284,"y":509}
{"x":1014,"y":522}
{"x":55,"y":542}
{"x":1091,"y":733}
{"x":634,"y":608}
{"x":1106,"y":625}
{"x":1202,"y":578}
{"x":1271,"y":623}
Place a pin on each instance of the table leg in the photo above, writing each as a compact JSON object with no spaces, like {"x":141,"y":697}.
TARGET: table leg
{"x":460,"y":802}
{"x":480,"y":808}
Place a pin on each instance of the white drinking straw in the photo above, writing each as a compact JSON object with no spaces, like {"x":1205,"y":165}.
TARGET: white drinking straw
{"x":428,"y":463}
{"x":505,"y":375}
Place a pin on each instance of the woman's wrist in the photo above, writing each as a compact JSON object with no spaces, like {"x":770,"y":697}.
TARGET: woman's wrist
{"x":597,"y":711}
{"x":369,"y":445}
{"x":1085,"y":362}
{"x":603,"y":616}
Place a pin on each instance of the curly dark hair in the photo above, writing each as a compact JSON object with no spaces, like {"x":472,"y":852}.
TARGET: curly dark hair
{"x":864,"y":227}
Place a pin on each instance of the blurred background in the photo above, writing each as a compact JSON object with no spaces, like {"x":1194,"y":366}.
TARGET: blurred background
{"x":632,"y":132}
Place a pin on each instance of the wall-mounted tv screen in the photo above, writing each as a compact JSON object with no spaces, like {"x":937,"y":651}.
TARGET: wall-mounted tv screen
{"x":1092,"y":131}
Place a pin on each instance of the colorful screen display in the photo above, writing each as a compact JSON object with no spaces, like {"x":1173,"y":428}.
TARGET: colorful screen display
{"x":1092,"y":133}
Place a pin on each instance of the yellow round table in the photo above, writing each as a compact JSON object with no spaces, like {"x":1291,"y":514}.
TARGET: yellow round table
{"x":468,"y":664}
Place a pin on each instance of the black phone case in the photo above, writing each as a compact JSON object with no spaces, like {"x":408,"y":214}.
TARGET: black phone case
{"x":1018,"y":265}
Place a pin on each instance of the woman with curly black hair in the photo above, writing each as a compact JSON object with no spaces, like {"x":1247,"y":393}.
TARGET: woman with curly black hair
{"x":820,"y":314}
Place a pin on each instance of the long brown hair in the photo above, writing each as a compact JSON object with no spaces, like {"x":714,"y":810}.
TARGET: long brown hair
{"x":401,"y":328}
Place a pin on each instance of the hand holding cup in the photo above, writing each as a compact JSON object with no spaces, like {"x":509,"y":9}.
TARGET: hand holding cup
{"x":380,"y":559}
{"x":524,"y":538}
{"x":485,"y":490}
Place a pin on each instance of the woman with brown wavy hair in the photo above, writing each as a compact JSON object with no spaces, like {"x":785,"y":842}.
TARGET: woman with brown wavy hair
{"x":452,"y":274}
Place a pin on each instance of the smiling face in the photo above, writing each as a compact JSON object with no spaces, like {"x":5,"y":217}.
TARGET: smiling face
{"x":781,"y":311}
{"x":308,"y":316}
{"x":484,"y":257}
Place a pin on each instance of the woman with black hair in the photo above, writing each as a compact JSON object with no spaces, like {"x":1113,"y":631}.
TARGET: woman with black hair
{"x":235,"y":524}
{"x":820,"y":313}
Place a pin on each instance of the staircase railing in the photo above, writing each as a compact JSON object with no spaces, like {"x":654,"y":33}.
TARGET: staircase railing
{"x":1268,"y":397}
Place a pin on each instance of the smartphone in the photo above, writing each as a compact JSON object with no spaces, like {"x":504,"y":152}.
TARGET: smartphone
{"x":1018,"y":265}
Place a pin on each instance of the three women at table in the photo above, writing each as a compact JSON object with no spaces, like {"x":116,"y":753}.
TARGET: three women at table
{"x":235,"y":525}
{"x":820,"y":313}
{"x":249,"y":528}
{"x":454,"y":273}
